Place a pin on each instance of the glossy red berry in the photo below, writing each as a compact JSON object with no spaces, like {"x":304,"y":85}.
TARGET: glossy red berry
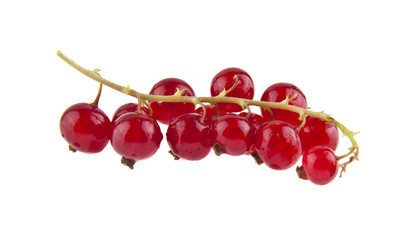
{"x":188,"y":137}
{"x":165,"y":112}
{"x":232,"y":134}
{"x":278,"y":144}
{"x":85,"y":127}
{"x":316,"y":132}
{"x":128,"y":108}
{"x":136,"y":136}
{"x":279,"y":92}
{"x":320,"y":165}
{"x":255,"y":119}
{"x":225,"y":80}
{"x":212,"y":113}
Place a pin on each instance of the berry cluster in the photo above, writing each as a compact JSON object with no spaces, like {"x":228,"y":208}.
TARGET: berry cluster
{"x":278,"y":137}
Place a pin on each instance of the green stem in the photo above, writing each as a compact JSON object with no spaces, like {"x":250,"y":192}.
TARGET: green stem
{"x":177,"y":98}
{"x":214,"y":100}
{"x":350,"y":135}
{"x":95,"y":103}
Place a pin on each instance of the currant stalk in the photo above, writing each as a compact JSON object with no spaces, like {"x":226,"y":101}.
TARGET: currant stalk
{"x":244,"y":103}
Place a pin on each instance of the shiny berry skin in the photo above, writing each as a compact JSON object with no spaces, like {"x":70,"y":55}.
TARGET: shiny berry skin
{"x":277,"y":93}
{"x":225,"y":79}
{"x":85,"y":127}
{"x":278,"y":144}
{"x":188,"y":137}
{"x":165,"y":112}
{"x":316,"y":132}
{"x":233,"y":133}
{"x":212,"y":113}
{"x":256,"y":121}
{"x":128,"y":108}
{"x":136,"y":136}
{"x":320,"y":165}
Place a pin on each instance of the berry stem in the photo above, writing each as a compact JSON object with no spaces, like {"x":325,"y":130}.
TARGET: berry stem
{"x":176,"y":98}
{"x":95,"y":103}
{"x":354,"y":150}
{"x":236,"y":83}
{"x":214,"y":100}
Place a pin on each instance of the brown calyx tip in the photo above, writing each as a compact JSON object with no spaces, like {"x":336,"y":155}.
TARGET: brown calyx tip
{"x":256,"y":157}
{"x":218,"y":149}
{"x":72,"y":149}
{"x":175,"y":157}
{"x":128,"y":162}
{"x":301,"y":173}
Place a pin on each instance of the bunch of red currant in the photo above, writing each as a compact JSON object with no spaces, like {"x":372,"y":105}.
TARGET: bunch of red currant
{"x":278,"y":138}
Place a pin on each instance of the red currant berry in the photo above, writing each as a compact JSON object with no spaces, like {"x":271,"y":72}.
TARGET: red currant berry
{"x":85,"y":127}
{"x":279,"y":92}
{"x":255,"y":119}
{"x":316,"y":132}
{"x":212,"y":113}
{"x":320,"y":165}
{"x":136,"y":136}
{"x":225,"y":79}
{"x":165,"y":112}
{"x":278,"y":144}
{"x":128,"y":108}
{"x":232,"y":134}
{"x":188,"y":137}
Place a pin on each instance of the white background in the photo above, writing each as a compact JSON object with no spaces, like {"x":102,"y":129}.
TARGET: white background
{"x":348,"y":57}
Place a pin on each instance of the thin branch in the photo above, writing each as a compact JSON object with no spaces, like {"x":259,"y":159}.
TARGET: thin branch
{"x":214,"y":100}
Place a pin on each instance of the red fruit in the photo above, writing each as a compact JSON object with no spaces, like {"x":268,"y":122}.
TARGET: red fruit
{"x":225,"y":79}
{"x":212,"y":113}
{"x":165,"y":112}
{"x":278,"y":145}
{"x":320,"y":165}
{"x":232,"y":134}
{"x":255,"y":119}
{"x":188,"y":137}
{"x":136,"y":136}
{"x":128,"y":108}
{"x":316,"y":132}
{"x":277,"y":93}
{"x":85,"y":127}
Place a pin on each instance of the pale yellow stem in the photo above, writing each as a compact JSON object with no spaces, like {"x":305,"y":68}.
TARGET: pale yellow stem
{"x":214,"y":100}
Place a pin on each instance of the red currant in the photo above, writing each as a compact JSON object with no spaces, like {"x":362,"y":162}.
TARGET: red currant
{"x":279,"y":92}
{"x":128,"y":108}
{"x":165,"y":112}
{"x":188,"y":137}
{"x":212,"y":113}
{"x":255,"y":119}
{"x":85,"y":127}
{"x":317,"y":132}
{"x":136,"y":136}
{"x":278,"y":144}
{"x":320,"y":165}
{"x":232,"y":134}
{"x":225,"y":79}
